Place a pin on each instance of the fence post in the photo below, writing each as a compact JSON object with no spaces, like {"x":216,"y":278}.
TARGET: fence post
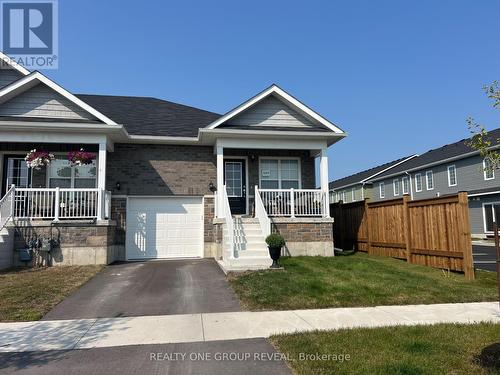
{"x":407,"y":227}
{"x":57,"y":204}
{"x":464,"y":220}
{"x":368,"y":228}
{"x":292,"y":203}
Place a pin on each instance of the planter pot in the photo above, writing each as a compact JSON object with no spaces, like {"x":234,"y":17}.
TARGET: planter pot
{"x":275,"y":253}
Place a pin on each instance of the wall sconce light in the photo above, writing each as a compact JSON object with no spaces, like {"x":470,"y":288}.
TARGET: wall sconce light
{"x":212,"y":187}
{"x":118,"y":186}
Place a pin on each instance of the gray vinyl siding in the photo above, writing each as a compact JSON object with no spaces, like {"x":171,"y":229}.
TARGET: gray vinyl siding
{"x":7,"y":76}
{"x":470,"y":176}
{"x":273,"y":113}
{"x":348,"y":194}
{"x":476,"y":212}
{"x":42,"y":101}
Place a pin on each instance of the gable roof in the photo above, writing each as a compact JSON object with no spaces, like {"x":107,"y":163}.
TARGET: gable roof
{"x":31,"y":80}
{"x":365,"y":175}
{"x":279,"y":93}
{"x":454,"y":150}
{"x":151,"y":116}
{"x":14,"y":65}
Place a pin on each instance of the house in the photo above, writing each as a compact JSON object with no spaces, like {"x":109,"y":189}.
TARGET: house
{"x":168,"y":180}
{"x":356,"y":187}
{"x":447,"y":170}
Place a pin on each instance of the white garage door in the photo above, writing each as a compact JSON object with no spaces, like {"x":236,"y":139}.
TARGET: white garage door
{"x":164,"y":228}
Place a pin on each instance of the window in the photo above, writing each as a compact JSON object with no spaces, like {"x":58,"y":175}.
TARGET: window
{"x":62,"y":175}
{"x":332,"y":197}
{"x":489,"y":172}
{"x":343,"y":196}
{"x":491,"y":214}
{"x":395,"y":186}
{"x":418,"y":182}
{"x":353,"y":194}
{"x":279,"y":174}
{"x":406,"y":185}
{"x":452,"y":175}
{"x":381,"y":188}
{"x":429,"y":180}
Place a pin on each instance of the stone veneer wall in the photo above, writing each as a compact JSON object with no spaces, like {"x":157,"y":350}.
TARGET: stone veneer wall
{"x":305,"y":236}
{"x":79,"y":242}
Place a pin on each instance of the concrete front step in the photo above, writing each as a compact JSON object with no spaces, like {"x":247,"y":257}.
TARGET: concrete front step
{"x":243,"y":264}
{"x":240,"y":254}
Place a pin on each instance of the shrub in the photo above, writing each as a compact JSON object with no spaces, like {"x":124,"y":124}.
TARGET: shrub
{"x":275,"y":240}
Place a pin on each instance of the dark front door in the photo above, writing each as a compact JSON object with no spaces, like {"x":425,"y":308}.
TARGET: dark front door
{"x":234,"y":177}
{"x":15,"y":172}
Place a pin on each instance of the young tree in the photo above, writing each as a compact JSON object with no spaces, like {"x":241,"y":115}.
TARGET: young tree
{"x":480,"y":139}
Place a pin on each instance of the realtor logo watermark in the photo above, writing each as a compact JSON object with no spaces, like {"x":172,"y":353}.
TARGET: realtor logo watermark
{"x":30,"y":32}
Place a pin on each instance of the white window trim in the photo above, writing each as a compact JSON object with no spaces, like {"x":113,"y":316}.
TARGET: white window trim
{"x":449,"y":175}
{"x":427,"y":174}
{"x":381,"y":189}
{"x":485,"y":171}
{"x":403,"y":179}
{"x":279,"y":158}
{"x":484,"y":214}
{"x":418,"y":176}
{"x":353,"y":195}
{"x":394,"y":183}
{"x":72,"y":178}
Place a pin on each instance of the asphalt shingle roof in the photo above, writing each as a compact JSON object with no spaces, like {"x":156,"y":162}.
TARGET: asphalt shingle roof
{"x":360,"y":176}
{"x":435,"y":155}
{"x":151,"y":116}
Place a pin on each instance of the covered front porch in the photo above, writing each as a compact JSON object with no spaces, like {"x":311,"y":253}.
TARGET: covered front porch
{"x":280,"y":177}
{"x":59,"y":190}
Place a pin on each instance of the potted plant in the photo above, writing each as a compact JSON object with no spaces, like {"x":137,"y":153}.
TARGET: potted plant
{"x":274,"y":243}
{"x":38,"y":159}
{"x":79,"y":158}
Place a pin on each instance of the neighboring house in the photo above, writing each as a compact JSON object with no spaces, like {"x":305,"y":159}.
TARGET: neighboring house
{"x":447,"y":170}
{"x":355,"y":187}
{"x":156,"y":186}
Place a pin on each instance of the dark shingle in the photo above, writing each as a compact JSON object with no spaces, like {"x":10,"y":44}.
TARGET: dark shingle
{"x":445,"y":152}
{"x":151,"y":116}
{"x":360,"y":176}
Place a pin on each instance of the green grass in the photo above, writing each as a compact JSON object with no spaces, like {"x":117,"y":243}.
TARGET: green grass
{"x":437,"y":349}
{"x":27,"y":294}
{"x":357,"y":280}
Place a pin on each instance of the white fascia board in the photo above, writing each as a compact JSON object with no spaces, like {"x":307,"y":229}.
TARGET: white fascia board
{"x":53,"y":137}
{"x":26,"y":82}
{"x":274,"y":89}
{"x":162,"y":139}
{"x":283,"y":144}
{"x":389,"y":168}
{"x":429,"y":165}
{"x":481,"y":194}
{"x":6,"y":59}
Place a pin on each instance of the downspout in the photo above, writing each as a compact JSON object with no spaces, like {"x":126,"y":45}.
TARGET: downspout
{"x":411,"y":184}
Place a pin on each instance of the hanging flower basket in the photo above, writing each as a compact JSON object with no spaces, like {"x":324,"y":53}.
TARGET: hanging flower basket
{"x":38,"y":159}
{"x":79,"y":158}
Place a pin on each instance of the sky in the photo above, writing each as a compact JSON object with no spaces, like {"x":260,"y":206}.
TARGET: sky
{"x":400,"y":77}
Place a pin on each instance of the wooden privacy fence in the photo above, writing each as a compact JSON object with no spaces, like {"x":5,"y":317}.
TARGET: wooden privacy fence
{"x":432,"y":232}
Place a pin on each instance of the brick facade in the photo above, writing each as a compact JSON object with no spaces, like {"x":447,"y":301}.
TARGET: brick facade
{"x":119,"y":215}
{"x":208,"y":217}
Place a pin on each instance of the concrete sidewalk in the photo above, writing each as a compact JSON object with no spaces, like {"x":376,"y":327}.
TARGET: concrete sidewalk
{"x":165,"y":329}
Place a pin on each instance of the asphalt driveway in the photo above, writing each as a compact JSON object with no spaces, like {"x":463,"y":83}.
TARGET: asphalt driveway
{"x":150,"y":288}
{"x":484,"y":257}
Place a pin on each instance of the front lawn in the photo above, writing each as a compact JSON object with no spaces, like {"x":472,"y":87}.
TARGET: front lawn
{"x":437,"y":349}
{"x":356,"y":280}
{"x":28,"y":294}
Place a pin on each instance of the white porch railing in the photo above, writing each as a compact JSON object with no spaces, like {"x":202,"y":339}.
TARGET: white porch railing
{"x":294,"y":202}
{"x":6,"y":207}
{"x":261,"y":214}
{"x":226,"y":213}
{"x":57,"y":203}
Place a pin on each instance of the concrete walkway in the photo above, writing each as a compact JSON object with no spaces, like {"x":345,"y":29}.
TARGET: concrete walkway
{"x":165,"y":329}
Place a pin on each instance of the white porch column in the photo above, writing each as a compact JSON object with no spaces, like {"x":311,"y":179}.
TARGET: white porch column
{"x":220,"y":178}
{"x":101,"y":179}
{"x":323,"y":178}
